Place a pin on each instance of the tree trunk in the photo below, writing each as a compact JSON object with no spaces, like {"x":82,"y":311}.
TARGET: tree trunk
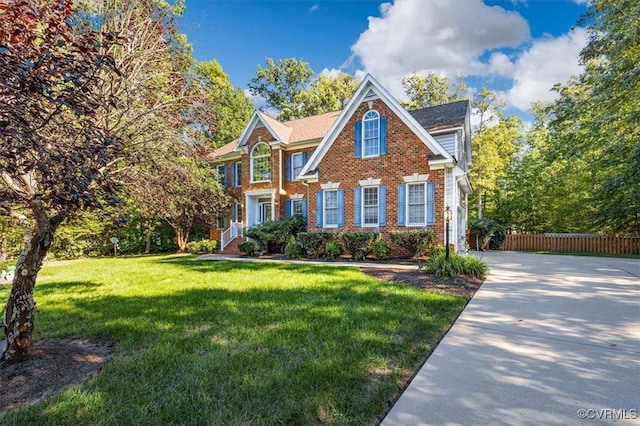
{"x":147,"y":247}
{"x":182,"y":236}
{"x":21,"y":307}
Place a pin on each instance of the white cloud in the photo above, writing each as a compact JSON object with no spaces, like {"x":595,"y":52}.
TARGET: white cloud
{"x":441,"y":36}
{"x":331,"y":73}
{"x":548,"y":61}
{"x":314,"y":8}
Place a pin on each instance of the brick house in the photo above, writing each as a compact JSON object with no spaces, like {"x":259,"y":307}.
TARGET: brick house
{"x":373,"y":166}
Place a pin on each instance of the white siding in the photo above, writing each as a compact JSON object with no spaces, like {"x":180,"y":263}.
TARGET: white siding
{"x":448,"y":142}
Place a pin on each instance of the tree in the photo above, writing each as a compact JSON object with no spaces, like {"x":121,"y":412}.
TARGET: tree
{"x":282,"y":85}
{"x":429,"y":90}
{"x":54,"y":149}
{"x":179,"y":192}
{"x":231,"y":107}
{"x":495,"y":144}
{"x":70,"y":120}
{"x":328,"y":94}
{"x":542,"y":192}
{"x":597,"y":116}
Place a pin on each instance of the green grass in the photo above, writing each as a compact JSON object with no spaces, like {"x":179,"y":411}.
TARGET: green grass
{"x":215,"y":342}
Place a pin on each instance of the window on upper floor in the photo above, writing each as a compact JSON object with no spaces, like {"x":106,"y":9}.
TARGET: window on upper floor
{"x":370,"y":135}
{"x":221,"y":173}
{"x":297,"y":163}
{"x":237,"y":174}
{"x":261,"y":163}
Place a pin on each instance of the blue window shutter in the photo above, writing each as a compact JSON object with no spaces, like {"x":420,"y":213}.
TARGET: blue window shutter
{"x":289,"y":208}
{"x":382,"y":206}
{"x":340,"y":207}
{"x":288,"y":165}
{"x":383,"y":135}
{"x":224,"y":175}
{"x":357,"y":206}
{"x":402,"y":189}
{"x":304,"y":159}
{"x":319,"y":209}
{"x":304,"y":208}
{"x":431,"y":203}
{"x":358,"y":139}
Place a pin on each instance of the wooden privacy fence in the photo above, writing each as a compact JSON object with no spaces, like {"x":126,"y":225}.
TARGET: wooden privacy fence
{"x":573,"y":243}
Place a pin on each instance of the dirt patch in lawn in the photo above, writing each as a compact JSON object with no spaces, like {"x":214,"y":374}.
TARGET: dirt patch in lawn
{"x":459,"y":286}
{"x":54,"y":365}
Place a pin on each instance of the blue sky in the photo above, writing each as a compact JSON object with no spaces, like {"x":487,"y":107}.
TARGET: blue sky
{"x":519,"y":48}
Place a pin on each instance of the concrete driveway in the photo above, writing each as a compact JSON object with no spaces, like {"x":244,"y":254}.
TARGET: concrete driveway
{"x":551,"y":340}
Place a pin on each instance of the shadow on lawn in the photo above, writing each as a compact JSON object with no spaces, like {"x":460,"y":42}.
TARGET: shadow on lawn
{"x":193,"y":264}
{"x":293,"y":355}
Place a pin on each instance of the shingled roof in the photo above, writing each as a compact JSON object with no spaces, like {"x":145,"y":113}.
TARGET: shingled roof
{"x":442,"y":116}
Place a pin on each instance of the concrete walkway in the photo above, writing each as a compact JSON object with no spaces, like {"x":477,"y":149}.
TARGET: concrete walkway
{"x":551,"y":340}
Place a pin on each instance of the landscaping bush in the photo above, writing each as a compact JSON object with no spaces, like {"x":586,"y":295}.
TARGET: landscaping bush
{"x":333,"y":250}
{"x":487,"y":233}
{"x":380,"y":249}
{"x":437,"y":250}
{"x":417,"y":242}
{"x":358,"y":244}
{"x":456,"y":265}
{"x":293,"y":249}
{"x":275,"y":234}
{"x":203,"y":246}
{"x":313,"y":243}
{"x":252,"y":248}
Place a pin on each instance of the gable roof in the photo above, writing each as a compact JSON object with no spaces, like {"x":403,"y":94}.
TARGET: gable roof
{"x":443,"y":116}
{"x":368,"y":88}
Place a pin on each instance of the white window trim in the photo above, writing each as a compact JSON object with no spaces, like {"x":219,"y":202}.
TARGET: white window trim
{"x":293,"y":204}
{"x":364,"y":155}
{"x":362,"y":208}
{"x":252,"y":158}
{"x":424,"y":210}
{"x":324,"y":208}
{"x":294,"y":176}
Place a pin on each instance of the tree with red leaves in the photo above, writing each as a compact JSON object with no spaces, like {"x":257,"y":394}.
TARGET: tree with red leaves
{"x":55,"y":148}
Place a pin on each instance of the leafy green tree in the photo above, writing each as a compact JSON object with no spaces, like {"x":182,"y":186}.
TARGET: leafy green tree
{"x":282,"y":84}
{"x":328,"y":94}
{"x":495,"y":145}
{"x":429,"y":90}
{"x":596,"y":118}
{"x":231,"y":107}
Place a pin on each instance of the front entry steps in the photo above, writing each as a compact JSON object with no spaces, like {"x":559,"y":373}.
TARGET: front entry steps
{"x":232,"y":247}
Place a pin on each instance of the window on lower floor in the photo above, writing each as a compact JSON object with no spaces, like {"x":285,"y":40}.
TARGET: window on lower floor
{"x":370,"y":206}
{"x":331,"y":208}
{"x":416,"y":204}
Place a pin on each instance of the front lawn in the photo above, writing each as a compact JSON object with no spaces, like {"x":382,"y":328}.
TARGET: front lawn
{"x":215,"y":342}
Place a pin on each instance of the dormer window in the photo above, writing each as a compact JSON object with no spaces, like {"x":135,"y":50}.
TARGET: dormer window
{"x":261,"y":163}
{"x":371,"y":134}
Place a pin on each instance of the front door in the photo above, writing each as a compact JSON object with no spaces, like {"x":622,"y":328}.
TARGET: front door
{"x":264,"y":209}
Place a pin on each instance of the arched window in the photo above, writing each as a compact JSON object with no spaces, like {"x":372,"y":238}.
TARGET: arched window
{"x":371,"y":134}
{"x":260,"y":163}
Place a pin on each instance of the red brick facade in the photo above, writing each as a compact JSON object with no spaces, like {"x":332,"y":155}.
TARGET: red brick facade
{"x":407,"y":154}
